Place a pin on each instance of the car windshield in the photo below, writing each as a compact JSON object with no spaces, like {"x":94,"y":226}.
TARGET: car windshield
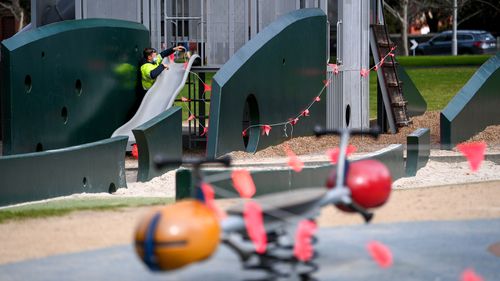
{"x":486,"y":37}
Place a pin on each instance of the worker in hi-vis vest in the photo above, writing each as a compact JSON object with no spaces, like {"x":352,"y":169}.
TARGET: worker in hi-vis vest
{"x":152,"y":65}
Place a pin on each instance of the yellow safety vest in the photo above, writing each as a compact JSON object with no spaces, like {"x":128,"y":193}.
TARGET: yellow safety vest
{"x":147,"y":81}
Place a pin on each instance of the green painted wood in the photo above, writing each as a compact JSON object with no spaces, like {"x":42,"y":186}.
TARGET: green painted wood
{"x":474,"y":107}
{"x":90,"y":168}
{"x":418,"y":150}
{"x":274,"y":180}
{"x":416,"y":103}
{"x":162,"y":135}
{"x":279,"y":73}
{"x":69,"y":83}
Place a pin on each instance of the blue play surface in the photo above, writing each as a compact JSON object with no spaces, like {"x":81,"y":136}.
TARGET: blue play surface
{"x":421,"y":251}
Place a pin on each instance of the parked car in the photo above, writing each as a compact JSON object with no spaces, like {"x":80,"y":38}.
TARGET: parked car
{"x":468,"y":42}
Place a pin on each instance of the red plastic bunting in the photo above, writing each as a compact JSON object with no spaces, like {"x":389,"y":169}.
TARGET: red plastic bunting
{"x":334,"y":153}
{"x":317,"y":99}
{"x":293,"y":161}
{"x":254,"y":223}
{"x":326,"y":82}
{"x":191,"y":117}
{"x":391,"y":54}
{"x":364,"y":72}
{"x":305,"y":112}
{"x":474,"y":152}
{"x":380,"y":253}
{"x":381,"y":62}
{"x":376,"y":67}
{"x":184,"y":99}
{"x":209,"y":194}
{"x":244,"y":133}
{"x":172,"y":57}
{"x":335,"y":68}
{"x":303,"y":249}
{"x":207,"y":88}
{"x":243,"y":183}
{"x":205,"y":132}
{"x":135,"y":152}
{"x":265,"y":129}
{"x":293,"y":121}
{"x":470,"y":275}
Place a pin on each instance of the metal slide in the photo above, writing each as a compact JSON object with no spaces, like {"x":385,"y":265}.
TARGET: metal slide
{"x":159,"y":98}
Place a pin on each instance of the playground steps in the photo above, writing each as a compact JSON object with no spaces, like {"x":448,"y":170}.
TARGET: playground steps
{"x":390,"y":83}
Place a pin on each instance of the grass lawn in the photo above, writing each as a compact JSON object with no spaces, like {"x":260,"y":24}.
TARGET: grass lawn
{"x":65,"y":206}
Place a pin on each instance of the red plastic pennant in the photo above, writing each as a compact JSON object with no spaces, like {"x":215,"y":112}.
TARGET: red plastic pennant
{"x":244,"y":133}
{"x":184,"y":99}
{"x":305,"y":112}
{"x":376,"y":67}
{"x":303,"y":249}
{"x":326,"y":82}
{"x":293,"y":121}
{"x":209,"y":194}
{"x":171,"y":57}
{"x":381,"y":61}
{"x":391,"y":54}
{"x":334,"y":153}
{"x":207,"y":88}
{"x":380,"y":253}
{"x":205,"y":132}
{"x":335,"y":68}
{"x":243,"y":183}
{"x":135,"y":152}
{"x":293,"y":161}
{"x":470,"y":275}
{"x":265,"y":129}
{"x":474,"y":152}
{"x":364,"y":72}
{"x":191,"y":117}
{"x":254,"y":223}
{"x":317,"y":99}
{"x":393,"y":48}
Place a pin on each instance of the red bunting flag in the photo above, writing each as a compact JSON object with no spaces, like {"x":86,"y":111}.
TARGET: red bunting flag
{"x":184,"y":99}
{"x":303,"y":249}
{"x":335,"y":68}
{"x":364,"y":72}
{"x":209,"y":194}
{"x":391,"y":54}
{"x":470,"y":275}
{"x":205,"y":132}
{"x":334,"y":153}
{"x":244,"y":133}
{"x":474,"y":152}
{"x":293,"y":121}
{"x":317,"y":99}
{"x":135,"y":152}
{"x":326,"y":82}
{"x":191,"y":117}
{"x":305,"y":112}
{"x":254,"y":223}
{"x":171,"y":57}
{"x":293,"y":161}
{"x":376,"y":67}
{"x":207,"y":88}
{"x":381,"y":61}
{"x":243,"y":183}
{"x":265,"y":129}
{"x":380,"y":253}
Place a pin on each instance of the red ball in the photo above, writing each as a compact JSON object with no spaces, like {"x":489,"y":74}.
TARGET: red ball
{"x":369,"y":181}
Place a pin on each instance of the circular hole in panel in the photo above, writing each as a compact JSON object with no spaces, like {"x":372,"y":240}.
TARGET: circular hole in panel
{"x":284,"y":61}
{"x":27,"y":84}
{"x":64,"y":115}
{"x":112,"y":188}
{"x":347,"y":115}
{"x":78,"y":87}
{"x":250,"y":117}
{"x":84,"y":182}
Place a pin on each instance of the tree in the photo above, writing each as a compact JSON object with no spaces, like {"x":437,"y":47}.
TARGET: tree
{"x":19,"y":9}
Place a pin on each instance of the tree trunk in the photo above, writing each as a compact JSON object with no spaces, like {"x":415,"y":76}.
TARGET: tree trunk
{"x":404,"y":28}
